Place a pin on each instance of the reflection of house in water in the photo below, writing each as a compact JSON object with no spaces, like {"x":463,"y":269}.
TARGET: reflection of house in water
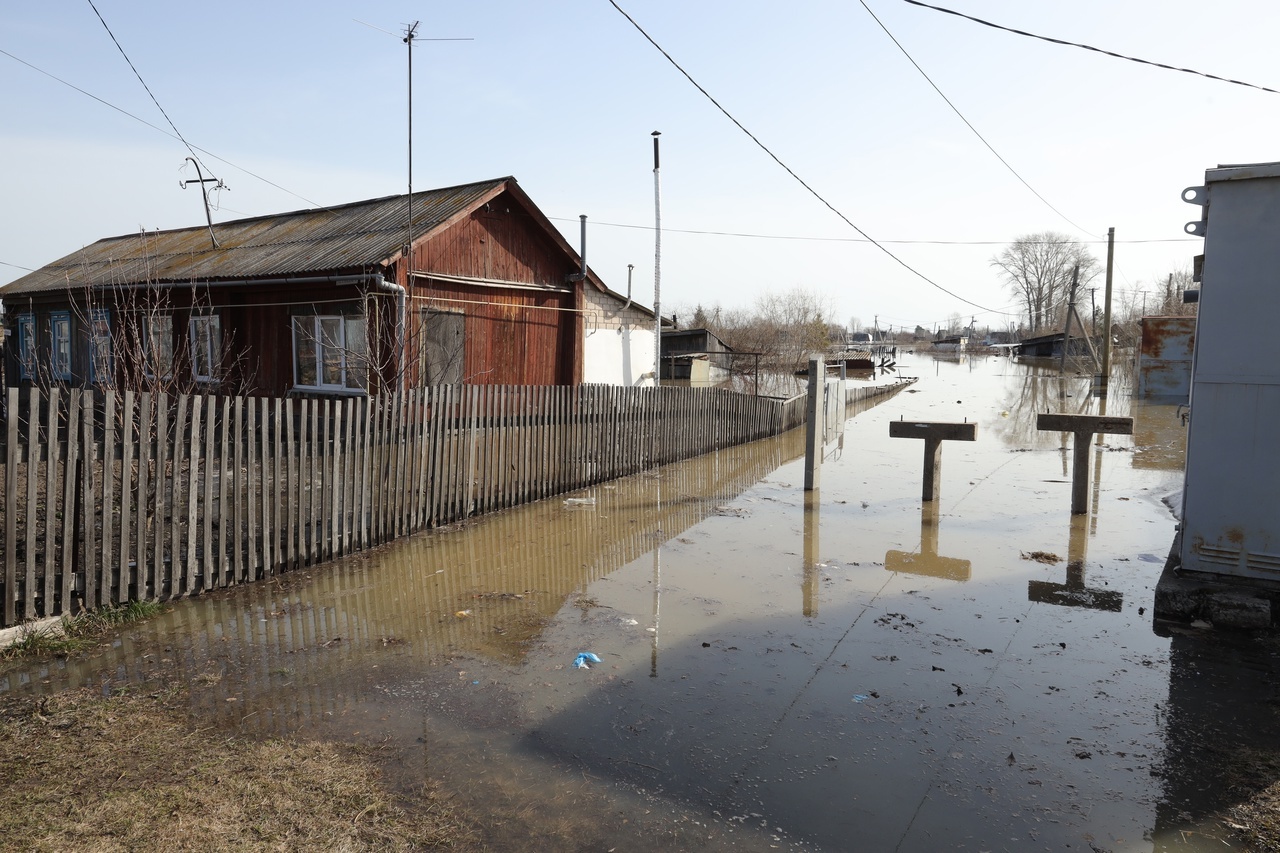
{"x":305,"y":646}
{"x":1159,"y":437}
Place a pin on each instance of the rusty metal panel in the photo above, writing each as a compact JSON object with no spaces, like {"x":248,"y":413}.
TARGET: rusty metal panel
{"x":1164,"y":358}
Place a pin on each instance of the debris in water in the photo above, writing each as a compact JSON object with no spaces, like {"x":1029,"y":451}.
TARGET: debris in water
{"x":578,"y":503}
{"x":860,"y":697}
{"x":462,"y":614}
{"x":585,"y":659}
{"x":1012,"y":761}
{"x":959,"y":692}
{"x":1042,"y":557}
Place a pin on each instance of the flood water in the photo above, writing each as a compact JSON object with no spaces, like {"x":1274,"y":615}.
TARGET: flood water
{"x":847,"y":670}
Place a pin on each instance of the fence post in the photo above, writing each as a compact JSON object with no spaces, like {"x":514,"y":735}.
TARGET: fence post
{"x":812,"y":430}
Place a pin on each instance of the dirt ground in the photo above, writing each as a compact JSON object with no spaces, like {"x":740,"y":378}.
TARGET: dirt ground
{"x":82,"y":771}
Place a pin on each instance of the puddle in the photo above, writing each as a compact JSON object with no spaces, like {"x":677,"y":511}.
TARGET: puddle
{"x":847,"y":670}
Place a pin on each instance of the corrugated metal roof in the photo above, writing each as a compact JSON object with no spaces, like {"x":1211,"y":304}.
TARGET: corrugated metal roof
{"x":334,"y":239}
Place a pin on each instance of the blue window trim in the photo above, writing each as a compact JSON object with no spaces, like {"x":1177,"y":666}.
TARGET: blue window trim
{"x":54,"y":367}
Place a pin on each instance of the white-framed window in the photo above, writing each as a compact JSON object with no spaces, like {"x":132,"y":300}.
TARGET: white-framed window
{"x":27,"y":346}
{"x":60,"y":344}
{"x":156,"y":333}
{"x":330,"y":352}
{"x":100,"y":357}
{"x":206,"y":347}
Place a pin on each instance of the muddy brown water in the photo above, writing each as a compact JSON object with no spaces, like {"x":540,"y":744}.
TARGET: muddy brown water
{"x":843,"y":671}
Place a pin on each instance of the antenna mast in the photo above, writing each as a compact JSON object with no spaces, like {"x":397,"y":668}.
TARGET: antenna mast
{"x":409,"y":34}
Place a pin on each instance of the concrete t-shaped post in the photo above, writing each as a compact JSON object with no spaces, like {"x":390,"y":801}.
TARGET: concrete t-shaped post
{"x":1084,"y":427}
{"x":933,"y":434}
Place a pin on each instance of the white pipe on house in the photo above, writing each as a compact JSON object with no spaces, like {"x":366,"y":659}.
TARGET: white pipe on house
{"x":657,"y":265}
{"x":401,"y":300}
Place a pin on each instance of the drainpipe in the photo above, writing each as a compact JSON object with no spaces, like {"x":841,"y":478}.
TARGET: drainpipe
{"x":630,"y":267}
{"x":401,"y":298}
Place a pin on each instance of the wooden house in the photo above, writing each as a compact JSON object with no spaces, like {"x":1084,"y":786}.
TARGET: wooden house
{"x":319,"y":302}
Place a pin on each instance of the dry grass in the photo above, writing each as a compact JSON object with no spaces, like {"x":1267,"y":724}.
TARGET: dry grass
{"x":83,"y":772}
{"x":77,"y":633}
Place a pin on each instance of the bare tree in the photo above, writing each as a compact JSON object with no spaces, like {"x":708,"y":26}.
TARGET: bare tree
{"x":1037,"y":270}
{"x":784,"y":328}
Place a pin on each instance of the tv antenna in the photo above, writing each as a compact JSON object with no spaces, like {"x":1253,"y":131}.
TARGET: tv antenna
{"x":409,"y":36}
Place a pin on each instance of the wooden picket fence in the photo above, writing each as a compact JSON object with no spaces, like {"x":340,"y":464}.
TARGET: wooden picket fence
{"x":117,"y":496}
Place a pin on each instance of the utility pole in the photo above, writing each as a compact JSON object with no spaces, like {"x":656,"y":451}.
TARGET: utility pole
{"x":202,"y":180}
{"x":1104,"y":377}
{"x":1093,"y":310}
{"x":657,"y":264}
{"x":1066,"y":326}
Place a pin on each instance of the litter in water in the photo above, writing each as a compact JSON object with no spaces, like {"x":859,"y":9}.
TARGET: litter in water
{"x":585,"y":659}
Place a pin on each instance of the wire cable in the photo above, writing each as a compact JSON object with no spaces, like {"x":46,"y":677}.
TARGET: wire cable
{"x":789,"y":170}
{"x":665,"y":230}
{"x":969,"y":124}
{"x":125,"y":112}
{"x":1110,"y":53}
{"x":132,"y":68}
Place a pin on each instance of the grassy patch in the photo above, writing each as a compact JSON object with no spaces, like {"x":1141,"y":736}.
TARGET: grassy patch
{"x":78,"y":633}
{"x":83,"y":772}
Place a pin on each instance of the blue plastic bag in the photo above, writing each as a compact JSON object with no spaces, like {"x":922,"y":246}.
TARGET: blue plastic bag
{"x":585,"y":659}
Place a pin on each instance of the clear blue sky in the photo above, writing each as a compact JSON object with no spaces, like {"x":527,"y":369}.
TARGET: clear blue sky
{"x":563,"y":94}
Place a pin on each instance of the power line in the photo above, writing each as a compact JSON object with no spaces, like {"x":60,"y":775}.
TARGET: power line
{"x":1091,"y":47}
{"x":788,"y":169}
{"x":755,"y":236}
{"x":176,"y":132}
{"x":969,"y":124}
{"x":125,"y":112}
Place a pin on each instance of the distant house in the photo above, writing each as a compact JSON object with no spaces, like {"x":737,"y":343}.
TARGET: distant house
{"x":1050,"y":346}
{"x":324,"y":302}
{"x":694,"y":355}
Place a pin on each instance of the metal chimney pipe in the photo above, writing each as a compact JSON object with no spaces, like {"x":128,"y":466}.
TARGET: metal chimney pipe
{"x":583,"y":252}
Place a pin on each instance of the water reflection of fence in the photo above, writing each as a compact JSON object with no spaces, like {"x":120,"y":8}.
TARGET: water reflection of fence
{"x":110,"y":497}
{"x":290,"y":652}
